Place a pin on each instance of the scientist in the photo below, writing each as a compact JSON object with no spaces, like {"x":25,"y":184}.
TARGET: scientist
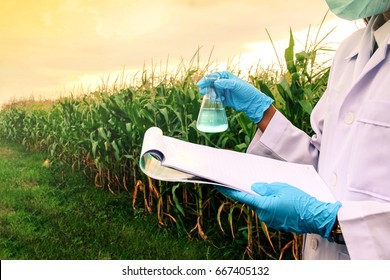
{"x":350,"y":147}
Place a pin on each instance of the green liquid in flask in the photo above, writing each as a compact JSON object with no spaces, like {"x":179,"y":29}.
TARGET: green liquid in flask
{"x":212,"y":120}
{"x":212,"y":115}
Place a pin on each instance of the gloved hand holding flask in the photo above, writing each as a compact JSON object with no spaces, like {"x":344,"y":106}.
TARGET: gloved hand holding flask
{"x":238,"y":94}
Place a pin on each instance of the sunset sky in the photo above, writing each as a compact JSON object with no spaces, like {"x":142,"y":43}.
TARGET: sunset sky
{"x":52,"y":47}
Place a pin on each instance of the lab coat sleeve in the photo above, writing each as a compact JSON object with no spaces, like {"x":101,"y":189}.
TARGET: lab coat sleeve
{"x":282,"y":140}
{"x":366,"y":229}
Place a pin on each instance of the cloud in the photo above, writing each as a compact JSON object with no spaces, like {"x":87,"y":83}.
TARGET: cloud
{"x":130,"y":21}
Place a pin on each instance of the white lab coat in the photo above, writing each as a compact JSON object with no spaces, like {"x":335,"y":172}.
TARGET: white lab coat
{"x":350,"y":148}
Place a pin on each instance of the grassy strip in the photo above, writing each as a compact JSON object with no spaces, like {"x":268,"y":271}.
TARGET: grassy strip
{"x":52,"y":213}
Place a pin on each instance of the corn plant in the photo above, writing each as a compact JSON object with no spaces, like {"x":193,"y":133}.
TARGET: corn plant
{"x":301,"y":82}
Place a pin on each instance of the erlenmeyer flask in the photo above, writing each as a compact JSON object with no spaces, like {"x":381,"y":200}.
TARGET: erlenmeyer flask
{"x":212,"y":115}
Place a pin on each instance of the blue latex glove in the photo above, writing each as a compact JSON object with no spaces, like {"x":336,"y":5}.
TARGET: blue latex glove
{"x":284,"y":207}
{"x":238,"y":94}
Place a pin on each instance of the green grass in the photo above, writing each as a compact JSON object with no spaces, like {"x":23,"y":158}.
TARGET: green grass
{"x":53,"y":213}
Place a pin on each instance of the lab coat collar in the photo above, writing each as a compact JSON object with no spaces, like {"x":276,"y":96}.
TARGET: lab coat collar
{"x":354,"y":52}
{"x":366,"y":60}
{"x":376,"y":59}
{"x":381,"y":36}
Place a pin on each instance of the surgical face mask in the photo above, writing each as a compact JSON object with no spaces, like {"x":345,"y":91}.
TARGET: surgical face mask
{"x":357,"y":9}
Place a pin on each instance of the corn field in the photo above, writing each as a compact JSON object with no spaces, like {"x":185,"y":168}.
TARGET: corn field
{"x":101,"y":133}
